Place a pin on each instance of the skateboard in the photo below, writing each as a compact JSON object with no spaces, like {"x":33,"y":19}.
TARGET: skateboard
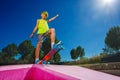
{"x":48,"y":56}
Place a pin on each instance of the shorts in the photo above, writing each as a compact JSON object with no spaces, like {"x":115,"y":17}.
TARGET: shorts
{"x":40,"y":37}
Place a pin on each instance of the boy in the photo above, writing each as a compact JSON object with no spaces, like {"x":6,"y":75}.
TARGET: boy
{"x":43,"y":30}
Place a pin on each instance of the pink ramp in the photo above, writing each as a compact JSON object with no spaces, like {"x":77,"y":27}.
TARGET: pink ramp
{"x":51,"y":72}
{"x":31,"y":72}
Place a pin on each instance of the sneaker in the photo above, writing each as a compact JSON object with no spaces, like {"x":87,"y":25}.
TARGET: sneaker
{"x":37,"y":61}
{"x":60,"y":47}
{"x":55,"y":45}
{"x":59,"y":43}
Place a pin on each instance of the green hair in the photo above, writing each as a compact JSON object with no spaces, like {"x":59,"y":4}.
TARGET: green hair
{"x":45,"y":12}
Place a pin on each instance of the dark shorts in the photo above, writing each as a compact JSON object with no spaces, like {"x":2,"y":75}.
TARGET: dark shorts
{"x":40,"y":37}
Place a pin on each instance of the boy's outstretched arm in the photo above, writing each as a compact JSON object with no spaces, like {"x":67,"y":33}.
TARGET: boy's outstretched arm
{"x":34,"y":30}
{"x":53,"y":18}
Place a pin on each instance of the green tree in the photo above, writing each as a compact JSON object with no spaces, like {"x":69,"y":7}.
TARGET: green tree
{"x":26,"y":49}
{"x":112,"y":39}
{"x":108,"y":50}
{"x":73,"y":54}
{"x":57,"y":57}
{"x":46,"y":46}
{"x":8,"y":53}
{"x":1,"y":58}
{"x":10,"y":50}
{"x":80,"y":52}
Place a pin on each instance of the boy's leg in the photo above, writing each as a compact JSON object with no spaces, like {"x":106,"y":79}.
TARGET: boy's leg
{"x":38,"y":46}
{"x":37,"y":50}
{"x":52,"y":36}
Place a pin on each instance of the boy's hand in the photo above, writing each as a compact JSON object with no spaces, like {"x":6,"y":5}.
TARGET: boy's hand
{"x":31,"y":36}
{"x":57,"y":15}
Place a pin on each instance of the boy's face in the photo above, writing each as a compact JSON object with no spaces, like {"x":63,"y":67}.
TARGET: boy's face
{"x":43,"y":16}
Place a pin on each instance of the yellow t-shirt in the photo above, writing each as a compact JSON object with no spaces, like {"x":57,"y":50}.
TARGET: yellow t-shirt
{"x":42,"y":26}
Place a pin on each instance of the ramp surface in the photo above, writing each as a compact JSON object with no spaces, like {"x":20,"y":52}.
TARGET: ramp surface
{"x":51,"y":72}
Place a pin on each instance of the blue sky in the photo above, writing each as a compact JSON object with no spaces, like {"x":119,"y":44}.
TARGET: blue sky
{"x":80,"y":22}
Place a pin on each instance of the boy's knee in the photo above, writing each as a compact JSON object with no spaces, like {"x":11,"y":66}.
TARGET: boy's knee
{"x":52,"y":30}
{"x":39,"y":44}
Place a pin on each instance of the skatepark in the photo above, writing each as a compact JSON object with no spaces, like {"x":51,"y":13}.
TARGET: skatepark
{"x":32,"y":29}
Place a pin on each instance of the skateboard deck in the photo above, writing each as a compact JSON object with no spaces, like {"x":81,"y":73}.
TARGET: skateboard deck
{"x":48,"y":56}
